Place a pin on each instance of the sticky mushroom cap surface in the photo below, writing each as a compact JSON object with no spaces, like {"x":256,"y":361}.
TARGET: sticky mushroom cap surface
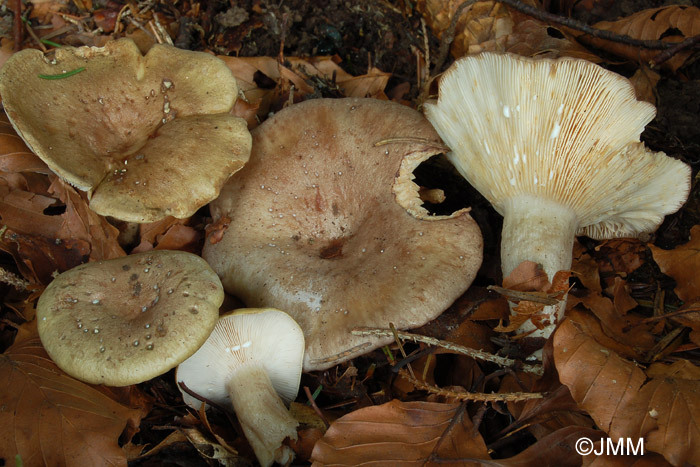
{"x":126,"y":320}
{"x":148,"y":136}
{"x":327,"y":224}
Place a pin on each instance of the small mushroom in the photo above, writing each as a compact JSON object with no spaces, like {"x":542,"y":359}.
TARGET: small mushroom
{"x":252,"y":358}
{"x":148,"y":136}
{"x":554,"y":146}
{"x":126,"y":320}
{"x":319,"y":226}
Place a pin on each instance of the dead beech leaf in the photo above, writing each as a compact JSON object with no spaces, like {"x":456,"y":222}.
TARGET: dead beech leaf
{"x":400,"y":433}
{"x":38,"y":257}
{"x":491,"y":26}
{"x":50,"y":418}
{"x":682,"y":263}
{"x":80,"y":222}
{"x":644,"y":81}
{"x":556,"y":448}
{"x":660,"y":405}
{"x":621,"y":256}
{"x":671,"y":24}
{"x":622,"y":299}
{"x":23,"y":211}
{"x":247,"y":71}
{"x":16,"y":157}
{"x":627,"y":335}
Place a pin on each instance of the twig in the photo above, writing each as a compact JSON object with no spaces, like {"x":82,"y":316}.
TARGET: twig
{"x":571,"y":23}
{"x":529,"y":296}
{"x":471,"y":396}
{"x":310,"y":397}
{"x":395,"y":333}
{"x":14,"y":280}
{"x":583,"y":27}
{"x":449,"y":36}
{"x":682,"y":311}
{"x":17,"y":25}
{"x":476,"y":354}
{"x":669,"y":53}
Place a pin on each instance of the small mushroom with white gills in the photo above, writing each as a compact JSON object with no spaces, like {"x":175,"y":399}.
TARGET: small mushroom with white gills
{"x":554,"y":146}
{"x":127,"y":320}
{"x":252,"y":358}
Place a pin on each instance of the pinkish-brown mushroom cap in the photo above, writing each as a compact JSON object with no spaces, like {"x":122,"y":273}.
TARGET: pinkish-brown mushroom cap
{"x":149,"y":136}
{"x":316,"y":229}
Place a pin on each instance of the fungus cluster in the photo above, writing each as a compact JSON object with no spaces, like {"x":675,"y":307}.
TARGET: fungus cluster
{"x":554,"y":146}
{"x":127,"y":320}
{"x":252,"y":363}
{"x":320,"y":228}
{"x":147,"y":136}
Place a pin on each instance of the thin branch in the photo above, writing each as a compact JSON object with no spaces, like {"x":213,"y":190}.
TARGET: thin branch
{"x":549,"y":18}
{"x":310,"y":397}
{"x":670,"y":53}
{"x":17,"y":25}
{"x":14,"y":280}
{"x":471,"y":396}
{"x":476,"y":354}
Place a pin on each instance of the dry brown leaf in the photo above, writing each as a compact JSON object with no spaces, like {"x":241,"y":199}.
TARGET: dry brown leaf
{"x":491,"y":26}
{"x":23,"y":211}
{"x":16,"y":157}
{"x":81,"y":223}
{"x":622,"y":300}
{"x":401,"y":434}
{"x":627,"y":335}
{"x":671,"y":24}
{"x":248,"y":70}
{"x":661,"y":405}
{"x":38,"y":258}
{"x":585,"y":269}
{"x":557,"y":448}
{"x":621,"y":255}
{"x":644,"y":81}
{"x":53,"y":419}
{"x":649,"y":459}
{"x":682,"y":263}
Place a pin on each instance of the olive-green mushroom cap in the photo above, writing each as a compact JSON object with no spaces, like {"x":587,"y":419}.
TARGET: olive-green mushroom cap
{"x":148,"y":136}
{"x":130,"y":319}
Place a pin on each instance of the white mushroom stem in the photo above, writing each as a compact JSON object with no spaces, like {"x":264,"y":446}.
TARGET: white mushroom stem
{"x":265,"y":420}
{"x":539,"y":230}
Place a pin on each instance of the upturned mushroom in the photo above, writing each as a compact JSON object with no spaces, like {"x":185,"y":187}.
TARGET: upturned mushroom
{"x":554,"y":146}
{"x":319,"y":226}
{"x":251,"y":362}
{"x":126,"y":320}
{"x":147,"y":136}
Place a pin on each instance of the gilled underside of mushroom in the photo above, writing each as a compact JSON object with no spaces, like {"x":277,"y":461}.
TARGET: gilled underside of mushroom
{"x":554,"y":146}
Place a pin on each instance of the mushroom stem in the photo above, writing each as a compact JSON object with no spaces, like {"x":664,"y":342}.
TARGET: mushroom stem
{"x":539,"y":230}
{"x":263,"y":416}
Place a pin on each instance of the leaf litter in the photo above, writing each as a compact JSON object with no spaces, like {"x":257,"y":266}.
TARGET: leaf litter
{"x":623,"y":364}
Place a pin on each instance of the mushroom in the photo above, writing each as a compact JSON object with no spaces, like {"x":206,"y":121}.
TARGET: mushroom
{"x":252,"y":358}
{"x":554,"y":146}
{"x":319,"y":226}
{"x":126,"y":320}
{"x":147,"y":136}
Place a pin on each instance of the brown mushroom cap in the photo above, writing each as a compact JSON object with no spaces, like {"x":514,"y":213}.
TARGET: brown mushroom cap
{"x":128,"y":122}
{"x":319,"y":226}
{"x":130,"y":319}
